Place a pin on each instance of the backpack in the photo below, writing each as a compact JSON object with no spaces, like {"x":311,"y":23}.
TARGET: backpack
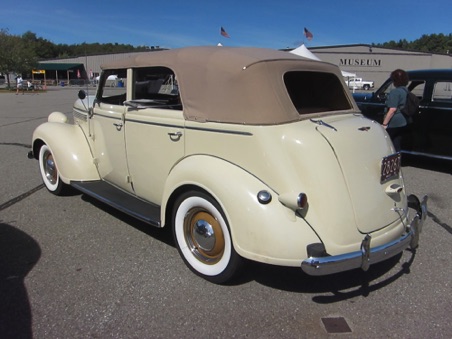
{"x":411,"y":107}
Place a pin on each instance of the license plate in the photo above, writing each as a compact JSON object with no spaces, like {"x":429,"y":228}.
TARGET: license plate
{"x":390,"y":167}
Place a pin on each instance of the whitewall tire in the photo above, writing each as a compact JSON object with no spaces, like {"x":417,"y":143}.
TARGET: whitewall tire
{"x":203,"y":238}
{"x":49,"y":171}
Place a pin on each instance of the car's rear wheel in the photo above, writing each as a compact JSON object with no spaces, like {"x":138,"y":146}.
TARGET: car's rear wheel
{"x":366,"y":87}
{"x":203,"y":238}
{"x":49,"y":171}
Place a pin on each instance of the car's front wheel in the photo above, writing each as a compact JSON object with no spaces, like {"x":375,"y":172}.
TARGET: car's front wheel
{"x":203,"y":238}
{"x":49,"y":171}
{"x":366,"y":87}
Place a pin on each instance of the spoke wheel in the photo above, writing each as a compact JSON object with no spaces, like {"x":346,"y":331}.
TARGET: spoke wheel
{"x":203,"y":238}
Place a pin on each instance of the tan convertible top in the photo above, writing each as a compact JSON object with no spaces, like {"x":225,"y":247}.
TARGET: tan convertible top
{"x":231,"y":84}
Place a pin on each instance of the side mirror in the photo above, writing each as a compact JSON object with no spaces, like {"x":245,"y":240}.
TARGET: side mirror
{"x":81,"y":94}
{"x":381,"y":96}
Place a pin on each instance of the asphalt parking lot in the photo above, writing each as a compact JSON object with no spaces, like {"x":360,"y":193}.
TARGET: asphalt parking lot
{"x":71,"y":267}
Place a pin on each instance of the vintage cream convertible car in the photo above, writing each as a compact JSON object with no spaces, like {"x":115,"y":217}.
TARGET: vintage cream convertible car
{"x":245,"y":152}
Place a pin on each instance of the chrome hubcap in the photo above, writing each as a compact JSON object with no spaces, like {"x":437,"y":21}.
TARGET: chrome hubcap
{"x":50,"y":170}
{"x":204,"y":236}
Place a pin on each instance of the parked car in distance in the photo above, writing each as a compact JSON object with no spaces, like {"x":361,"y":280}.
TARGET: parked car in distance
{"x":359,"y":83}
{"x":430,"y":133}
{"x":243,"y":152}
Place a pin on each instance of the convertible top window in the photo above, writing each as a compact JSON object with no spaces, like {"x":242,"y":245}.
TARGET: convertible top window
{"x":112,"y":87}
{"x":313,"y":92}
{"x":155,"y":87}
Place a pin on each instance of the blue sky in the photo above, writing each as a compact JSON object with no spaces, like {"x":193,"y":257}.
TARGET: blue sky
{"x":272,"y":24}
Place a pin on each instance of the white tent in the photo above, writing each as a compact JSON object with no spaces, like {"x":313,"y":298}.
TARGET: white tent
{"x":304,"y":52}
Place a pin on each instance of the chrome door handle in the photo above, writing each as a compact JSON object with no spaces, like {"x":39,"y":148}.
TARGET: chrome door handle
{"x":175,"y":136}
{"x":118,"y":125}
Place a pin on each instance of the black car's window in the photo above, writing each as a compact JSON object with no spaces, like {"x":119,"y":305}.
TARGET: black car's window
{"x":415,"y":86}
{"x":442,"y":91}
{"x":385,"y":89}
{"x":313,"y":92}
{"x":155,"y":87}
{"x":112,"y":87}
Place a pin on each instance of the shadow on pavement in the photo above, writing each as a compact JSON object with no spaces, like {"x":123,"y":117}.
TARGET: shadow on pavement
{"x":288,"y":278}
{"x":161,"y":234}
{"x":18,"y":254}
{"x":340,"y":286}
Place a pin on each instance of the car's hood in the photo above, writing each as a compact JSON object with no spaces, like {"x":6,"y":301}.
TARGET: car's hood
{"x":339,"y":168}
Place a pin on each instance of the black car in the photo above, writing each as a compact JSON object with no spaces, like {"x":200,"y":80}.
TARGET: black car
{"x":430,"y":133}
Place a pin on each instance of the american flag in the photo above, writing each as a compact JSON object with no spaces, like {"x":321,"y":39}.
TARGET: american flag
{"x":308,"y":34}
{"x":224,"y":33}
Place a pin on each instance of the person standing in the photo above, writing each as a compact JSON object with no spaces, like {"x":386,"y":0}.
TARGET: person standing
{"x":394,"y":121}
{"x":19,"y":84}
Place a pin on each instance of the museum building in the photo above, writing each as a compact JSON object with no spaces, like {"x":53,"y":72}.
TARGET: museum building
{"x":365,"y":61}
{"x":375,"y":63}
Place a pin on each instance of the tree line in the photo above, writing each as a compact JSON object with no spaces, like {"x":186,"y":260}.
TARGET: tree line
{"x":432,"y":43}
{"x":21,"y":53}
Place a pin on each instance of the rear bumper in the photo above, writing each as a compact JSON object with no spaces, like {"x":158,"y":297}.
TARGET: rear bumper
{"x":368,"y":256}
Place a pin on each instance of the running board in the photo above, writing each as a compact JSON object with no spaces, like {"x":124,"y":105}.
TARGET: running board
{"x":122,"y":201}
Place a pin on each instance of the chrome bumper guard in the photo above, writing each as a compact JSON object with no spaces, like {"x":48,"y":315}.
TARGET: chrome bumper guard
{"x":367,"y":256}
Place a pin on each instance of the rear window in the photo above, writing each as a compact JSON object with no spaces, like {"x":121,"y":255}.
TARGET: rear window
{"x":442,"y":91}
{"x":315,"y":92}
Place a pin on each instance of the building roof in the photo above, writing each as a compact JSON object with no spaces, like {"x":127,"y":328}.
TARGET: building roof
{"x":59,"y":66}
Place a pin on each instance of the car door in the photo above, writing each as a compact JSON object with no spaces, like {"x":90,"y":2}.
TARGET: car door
{"x":108,"y":133}
{"x":154,"y":131}
{"x":373,"y":106}
{"x":433,"y":126}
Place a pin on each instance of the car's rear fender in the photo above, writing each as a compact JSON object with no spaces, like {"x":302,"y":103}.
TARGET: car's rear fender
{"x":270,"y":233}
{"x":69,"y":146}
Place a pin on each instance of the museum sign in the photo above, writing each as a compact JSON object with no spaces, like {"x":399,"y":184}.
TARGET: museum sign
{"x":360,"y":62}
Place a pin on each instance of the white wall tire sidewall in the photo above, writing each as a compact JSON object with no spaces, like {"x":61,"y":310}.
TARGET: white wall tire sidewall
{"x":51,"y":187}
{"x":208,"y":270}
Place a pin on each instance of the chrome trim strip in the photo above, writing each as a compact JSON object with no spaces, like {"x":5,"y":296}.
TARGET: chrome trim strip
{"x":248,"y":134}
{"x":442,"y":108}
{"x":79,"y":115}
{"x":184,"y":127}
{"x":427,"y":155}
{"x":118,"y":117}
{"x":348,"y":261}
{"x":193,"y":128}
{"x":154,"y":123}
